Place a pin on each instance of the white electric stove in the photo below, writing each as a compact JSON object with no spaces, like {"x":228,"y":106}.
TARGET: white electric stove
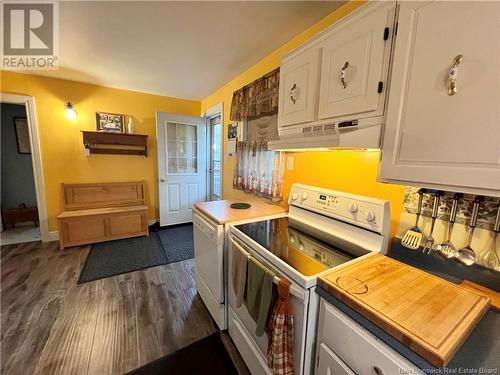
{"x":323,"y":229}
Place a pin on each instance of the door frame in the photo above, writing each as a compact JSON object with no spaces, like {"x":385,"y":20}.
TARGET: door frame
{"x":216,"y":110}
{"x":36,"y":158}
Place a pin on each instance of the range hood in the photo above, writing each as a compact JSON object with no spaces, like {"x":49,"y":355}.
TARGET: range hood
{"x":329,"y":136}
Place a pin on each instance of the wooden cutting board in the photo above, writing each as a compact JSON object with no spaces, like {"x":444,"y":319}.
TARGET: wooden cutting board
{"x":428,"y":314}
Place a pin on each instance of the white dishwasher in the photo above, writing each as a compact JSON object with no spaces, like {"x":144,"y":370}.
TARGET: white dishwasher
{"x":209,"y":264}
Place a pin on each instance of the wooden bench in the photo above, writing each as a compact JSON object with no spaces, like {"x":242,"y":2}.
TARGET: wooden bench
{"x":102,"y":212}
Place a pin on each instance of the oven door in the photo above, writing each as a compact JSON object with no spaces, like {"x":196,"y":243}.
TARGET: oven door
{"x":242,"y":327}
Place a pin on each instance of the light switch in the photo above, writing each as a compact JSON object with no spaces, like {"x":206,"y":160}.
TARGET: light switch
{"x":289,"y":163}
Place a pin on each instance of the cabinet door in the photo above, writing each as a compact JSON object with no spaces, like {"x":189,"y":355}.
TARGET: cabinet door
{"x":355,"y":60}
{"x":432,"y":138}
{"x":298,"y":88}
{"x":131,"y":223}
{"x":83,"y":229}
{"x":330,"y":364}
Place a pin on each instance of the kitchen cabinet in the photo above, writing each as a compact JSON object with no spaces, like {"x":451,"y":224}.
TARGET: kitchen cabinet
{"x":344,"y":347}
{"x":298,"y":88}
{"x":338,"y":79}
{"x":355,"y":64}
{"x":442,"y":127}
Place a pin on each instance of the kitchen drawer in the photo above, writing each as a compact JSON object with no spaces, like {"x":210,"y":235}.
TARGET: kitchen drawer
{"x":358,"y":348}
{"x":330,"y":364}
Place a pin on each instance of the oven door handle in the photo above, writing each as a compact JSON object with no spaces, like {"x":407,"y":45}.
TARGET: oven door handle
{"x":296,"y":291}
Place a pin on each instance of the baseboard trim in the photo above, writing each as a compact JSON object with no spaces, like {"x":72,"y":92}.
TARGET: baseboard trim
{"x":53,"y":236}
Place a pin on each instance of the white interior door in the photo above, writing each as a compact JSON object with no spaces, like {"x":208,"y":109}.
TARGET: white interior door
{"x":181,"y":166}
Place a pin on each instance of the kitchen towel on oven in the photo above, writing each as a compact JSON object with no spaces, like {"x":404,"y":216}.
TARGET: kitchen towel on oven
{"x":280,"y":333}
{"x":259,"y":293}
{"x":239,"y":272}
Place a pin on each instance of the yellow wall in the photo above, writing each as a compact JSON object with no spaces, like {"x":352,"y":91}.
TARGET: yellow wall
{"x":61,"y":141}
{"x":341,"y":170}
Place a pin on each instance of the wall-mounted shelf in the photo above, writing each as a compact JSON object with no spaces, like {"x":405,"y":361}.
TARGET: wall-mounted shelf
{"x":118,"y":143}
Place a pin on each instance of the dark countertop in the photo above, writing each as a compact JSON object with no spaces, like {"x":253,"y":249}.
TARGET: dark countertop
{"x":482,"y":348}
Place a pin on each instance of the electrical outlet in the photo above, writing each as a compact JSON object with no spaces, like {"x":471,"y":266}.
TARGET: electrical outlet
{"x":289,"y":163}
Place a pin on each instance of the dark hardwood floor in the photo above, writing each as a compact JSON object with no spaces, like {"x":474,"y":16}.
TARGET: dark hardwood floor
{"x":51,"y":325}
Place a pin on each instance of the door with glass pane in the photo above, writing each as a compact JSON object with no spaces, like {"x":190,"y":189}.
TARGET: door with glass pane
{"x":181,"y":166}
{"x":215,"y":153}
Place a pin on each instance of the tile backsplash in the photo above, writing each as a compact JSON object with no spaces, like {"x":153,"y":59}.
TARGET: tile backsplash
{"x":487,"y":209}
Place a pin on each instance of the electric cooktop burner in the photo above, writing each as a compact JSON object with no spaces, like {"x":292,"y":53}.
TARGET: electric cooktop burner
{"x":306,"y":254}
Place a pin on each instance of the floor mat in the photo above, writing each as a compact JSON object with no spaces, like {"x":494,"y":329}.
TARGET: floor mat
{"x":113,"y":258}
{"x":207,"y":356}
{"x":177,"y":242}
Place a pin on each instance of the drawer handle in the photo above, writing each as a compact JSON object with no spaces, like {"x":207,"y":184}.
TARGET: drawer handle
{"x":343,"y":74}
{"x":293,"y":96}
{"x":377,"y":370}
{"x":453,"y":74}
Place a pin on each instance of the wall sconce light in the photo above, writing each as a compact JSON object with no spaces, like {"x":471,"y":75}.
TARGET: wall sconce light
{"x":70,"y":111}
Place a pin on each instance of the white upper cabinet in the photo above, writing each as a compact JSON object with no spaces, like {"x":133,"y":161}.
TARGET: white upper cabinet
{"x":443,"y":117}
{"x":355,"y":64}
{"x":298,"y":88}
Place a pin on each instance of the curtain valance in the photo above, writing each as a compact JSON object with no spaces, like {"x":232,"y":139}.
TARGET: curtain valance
{"x":256,"y":98}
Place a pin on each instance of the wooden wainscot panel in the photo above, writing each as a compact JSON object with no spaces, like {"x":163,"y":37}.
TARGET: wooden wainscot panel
{"x":83,"y":229}
{"x":84,"y":196}
{"x":127,"y":224}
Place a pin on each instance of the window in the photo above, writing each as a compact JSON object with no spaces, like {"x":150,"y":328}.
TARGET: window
{"x":258,"y":169}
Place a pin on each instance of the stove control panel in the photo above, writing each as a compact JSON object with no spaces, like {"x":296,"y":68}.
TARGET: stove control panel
{"x":371,"y":213}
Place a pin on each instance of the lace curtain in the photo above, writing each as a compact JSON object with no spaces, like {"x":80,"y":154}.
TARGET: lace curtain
{"x":257,"y":98}
{"x":259,"y":170}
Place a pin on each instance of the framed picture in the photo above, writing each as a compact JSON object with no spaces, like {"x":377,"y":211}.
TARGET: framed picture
{"x":110,"y":122}
{"x":22,"y":135}
{"x":232,"y":131}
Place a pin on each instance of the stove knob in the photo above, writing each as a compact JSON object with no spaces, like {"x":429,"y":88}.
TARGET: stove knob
{"x":304,"y":195}
{"x":370,"y":216}
{"x":353,"y":207}
{"x":294,"y":196}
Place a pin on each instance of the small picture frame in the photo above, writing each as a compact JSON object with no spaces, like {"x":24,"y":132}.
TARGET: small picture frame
{"x":110,"y":122}
{"x":232,"y":131}
{"x":22,"y":135}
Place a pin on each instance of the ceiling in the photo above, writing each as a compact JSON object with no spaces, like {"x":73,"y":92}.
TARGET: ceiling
{"x":182,"y":49}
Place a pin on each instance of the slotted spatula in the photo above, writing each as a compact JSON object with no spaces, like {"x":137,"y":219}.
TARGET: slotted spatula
{"x":413,"y":236}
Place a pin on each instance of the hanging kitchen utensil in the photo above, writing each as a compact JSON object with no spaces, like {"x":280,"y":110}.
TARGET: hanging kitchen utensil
{"x":447,"y":249}
{"x":467,"y":255}
{"x":490,"y":257}
{"x":428,"y":241}
{"x":413,"y":236}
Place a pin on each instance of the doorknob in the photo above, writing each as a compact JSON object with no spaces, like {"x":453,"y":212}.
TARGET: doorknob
{"x":162,"y":179}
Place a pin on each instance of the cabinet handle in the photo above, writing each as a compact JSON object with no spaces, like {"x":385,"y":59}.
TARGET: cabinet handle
{"x":377,"y":370}
{"x":343,"y":73}
{"x":453,"y":74}
{"x":162,"y":179}
{"x":293,"y":98}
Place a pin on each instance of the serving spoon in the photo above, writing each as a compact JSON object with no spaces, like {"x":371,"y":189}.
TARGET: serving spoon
{"x":490,"y":257}
{"x":446,"y":248}
{"x":466,"y":254}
